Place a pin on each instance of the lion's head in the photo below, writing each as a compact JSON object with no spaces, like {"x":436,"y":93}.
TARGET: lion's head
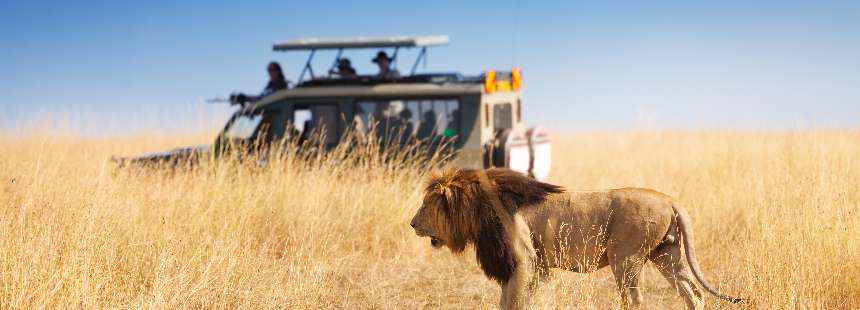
{"x":448,"y":209}
{"x":456,"y":211}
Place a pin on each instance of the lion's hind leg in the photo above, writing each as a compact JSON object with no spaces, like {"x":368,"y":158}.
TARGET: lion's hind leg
{"x":627,"y":273}
{"x":670,"y":261}
{"x":627,"y":264}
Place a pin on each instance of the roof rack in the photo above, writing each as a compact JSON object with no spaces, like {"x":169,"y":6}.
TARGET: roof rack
{"x":314,"y":44}
{"x":434,"y":78}
{"x":360,"y":42}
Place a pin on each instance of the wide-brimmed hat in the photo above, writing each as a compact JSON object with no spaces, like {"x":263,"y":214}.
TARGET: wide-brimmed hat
{"x":381,"y":55}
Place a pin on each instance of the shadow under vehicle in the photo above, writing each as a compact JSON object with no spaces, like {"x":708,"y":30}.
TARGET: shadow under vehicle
{"x":479,"y":118}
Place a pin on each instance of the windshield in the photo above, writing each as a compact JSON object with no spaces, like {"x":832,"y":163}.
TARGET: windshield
{"x":243,"y":126}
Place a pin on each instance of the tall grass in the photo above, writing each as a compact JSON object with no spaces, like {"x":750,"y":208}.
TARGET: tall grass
{"x":775,"y":216}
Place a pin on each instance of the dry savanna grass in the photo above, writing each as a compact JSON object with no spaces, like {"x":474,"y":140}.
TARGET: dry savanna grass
{"x":775,"y":216}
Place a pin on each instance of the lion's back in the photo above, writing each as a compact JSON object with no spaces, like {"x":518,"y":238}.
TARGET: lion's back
{"x":641,"y":211}
{"x":640,"y":197}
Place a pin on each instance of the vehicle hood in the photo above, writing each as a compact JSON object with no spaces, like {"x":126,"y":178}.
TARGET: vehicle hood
{"x":177,"y":156}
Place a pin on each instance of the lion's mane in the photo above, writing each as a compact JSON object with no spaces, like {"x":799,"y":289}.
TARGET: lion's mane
{"x":464,"y":214}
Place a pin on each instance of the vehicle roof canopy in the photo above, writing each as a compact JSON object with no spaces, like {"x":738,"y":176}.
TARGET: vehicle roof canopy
{"x":361,"y":42}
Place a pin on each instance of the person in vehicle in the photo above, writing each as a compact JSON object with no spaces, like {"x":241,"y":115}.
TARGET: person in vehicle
{"x":345,"y":69}
{"x":359,"y":128}
{"x":384,"y":62}
{"x":406,"y":120}
{"x":266,"y":134}
{"x":277,"y":82}
{"x":307,"y":132}
{"x":453,"y":124}
{"x":427,"y":126}
{"x":381,"y":119}
{"x":404,"y":125}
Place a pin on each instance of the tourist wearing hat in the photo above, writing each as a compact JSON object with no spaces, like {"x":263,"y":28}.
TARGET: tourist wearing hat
{"x":345,"y":69}
{"x":384,"y":63}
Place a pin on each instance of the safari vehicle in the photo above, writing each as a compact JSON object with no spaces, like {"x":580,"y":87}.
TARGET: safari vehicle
{"x":479,"y":117}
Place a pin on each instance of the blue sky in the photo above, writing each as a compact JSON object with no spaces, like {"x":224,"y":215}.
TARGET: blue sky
{"x":112,"y":67}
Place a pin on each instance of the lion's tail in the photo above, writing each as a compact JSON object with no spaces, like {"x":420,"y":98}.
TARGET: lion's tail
{"x":687,"y":236}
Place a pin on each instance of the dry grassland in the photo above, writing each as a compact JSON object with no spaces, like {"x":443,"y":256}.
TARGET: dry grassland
{"x":775,"y":214}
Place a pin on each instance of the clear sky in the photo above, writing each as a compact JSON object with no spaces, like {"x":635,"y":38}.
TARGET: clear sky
{"x":116,"y":67}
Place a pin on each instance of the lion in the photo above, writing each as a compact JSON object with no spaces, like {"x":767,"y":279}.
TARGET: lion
{"x":520,"y":228}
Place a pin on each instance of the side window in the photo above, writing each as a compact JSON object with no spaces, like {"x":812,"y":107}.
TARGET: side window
{"x":310,"y":120}
{"x":451,"y":117}
{"x":456,"y":122}
{"x":428,"y":122}
{"x":363,"y":116}
{"x":396,"y":118}
{"x":302,"y":118}
{"x":502,"y":116}
{"x":271,"y":126}
{"x":418,"y":118}
{"x":388,"y":118}
{"x":411,"y":116}
{"x":325,"y":120}
{"x":438,"y":118}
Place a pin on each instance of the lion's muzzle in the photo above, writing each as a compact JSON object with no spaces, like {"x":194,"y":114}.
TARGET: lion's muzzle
{"x":434,"y":240}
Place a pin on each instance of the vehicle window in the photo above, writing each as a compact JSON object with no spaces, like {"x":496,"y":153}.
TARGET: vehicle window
{"x":271,"y":126}
{"x":449,"y":119}
{"x":267,"y":124}
{"x":325,"y":121}
{"x":419,"y":118}
{"x":301,"y":117}
{"x":502,"y":116}
{"x":243,"y":126}
{"x":319,"y":118}
{"x":363,"y":115}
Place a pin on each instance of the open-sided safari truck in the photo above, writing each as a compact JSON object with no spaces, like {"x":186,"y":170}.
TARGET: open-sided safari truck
{"x":479,"y":118}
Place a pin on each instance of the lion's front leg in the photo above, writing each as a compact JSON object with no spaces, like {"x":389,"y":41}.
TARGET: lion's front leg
{"x":518,"y":291}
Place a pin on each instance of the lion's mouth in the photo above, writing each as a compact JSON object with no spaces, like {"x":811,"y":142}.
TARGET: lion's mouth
{"x":435,"y":242}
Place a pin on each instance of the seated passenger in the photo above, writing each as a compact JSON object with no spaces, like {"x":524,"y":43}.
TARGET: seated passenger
{"x":428,"y":125}
{"x":404,"y":125}
{"x":276,"y":82}
{"x":453,"y":124}
{"x":344,"y":69}
{"x":307,"y":132}
{"x":384,"y":63}
{"x":406,"y":118}
{"x":359,"y":128}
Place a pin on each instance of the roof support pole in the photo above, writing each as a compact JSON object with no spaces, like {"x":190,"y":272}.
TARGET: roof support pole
{"x":336,"y":61}
{"x":308,"y":67}
{"x":422,"y":55}
{"x":394,"y":56}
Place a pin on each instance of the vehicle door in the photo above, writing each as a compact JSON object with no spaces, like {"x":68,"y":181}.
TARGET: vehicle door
{"x":319,"y":123}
